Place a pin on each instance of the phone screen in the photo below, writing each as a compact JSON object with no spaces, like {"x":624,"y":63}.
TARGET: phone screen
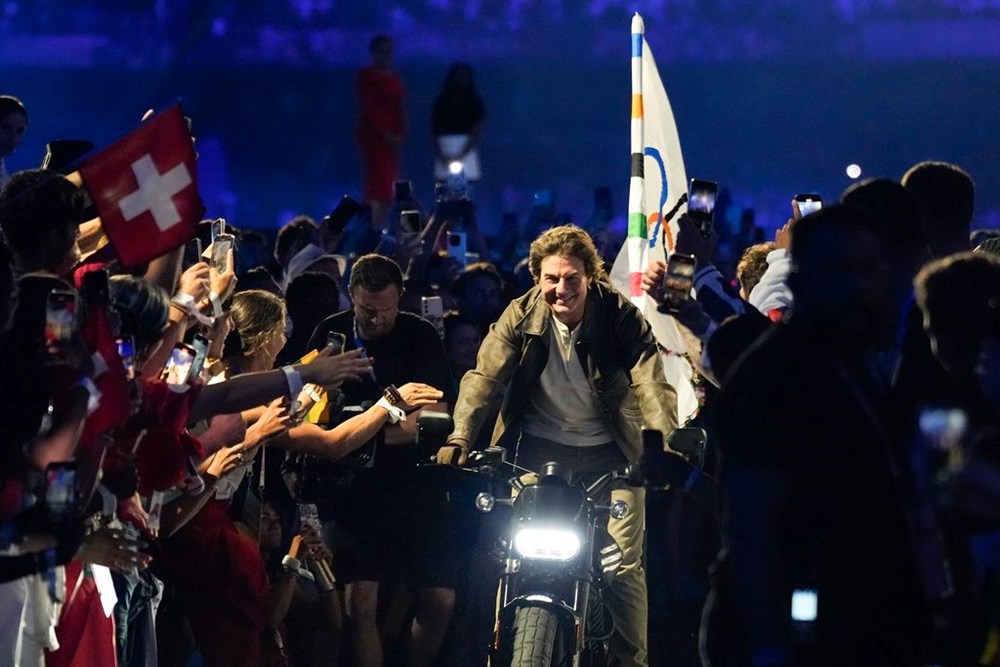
{"x":804,"y":605}
{"x":701,"y":197}
{"x":701,"y":203}
{"x":200,"y":345}
{"x":126,"y":350}
{"x":220,"y":248}
{"x":60,"y":318}
{"x":60,"y":488}
{"x":808,"y":204}
{"x":679,"y":280}
{"x":178,"y":368}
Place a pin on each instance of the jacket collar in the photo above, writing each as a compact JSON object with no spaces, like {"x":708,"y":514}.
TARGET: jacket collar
{"x":536,"y":320}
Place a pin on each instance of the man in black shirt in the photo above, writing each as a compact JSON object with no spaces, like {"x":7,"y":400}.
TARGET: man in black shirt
{"x":393,"y":521}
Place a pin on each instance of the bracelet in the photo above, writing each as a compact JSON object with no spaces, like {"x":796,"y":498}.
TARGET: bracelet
{"x":395,"y":414}
{"x":312,"y":391}
{"x":187,"y":303}
{"x":216,"y":304}
{"x":294,"y":565}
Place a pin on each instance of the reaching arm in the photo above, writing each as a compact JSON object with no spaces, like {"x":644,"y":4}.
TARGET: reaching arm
{"x":253,"y":389}
{"x":356,"y":431}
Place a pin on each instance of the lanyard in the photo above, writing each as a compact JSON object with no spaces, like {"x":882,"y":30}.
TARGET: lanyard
{"x":359,"y":345}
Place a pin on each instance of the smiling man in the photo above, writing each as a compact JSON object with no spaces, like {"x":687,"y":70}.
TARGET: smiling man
{"x":581,"y":374}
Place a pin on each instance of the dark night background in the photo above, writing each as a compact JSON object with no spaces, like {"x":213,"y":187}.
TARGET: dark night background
{"x":771,"y":97}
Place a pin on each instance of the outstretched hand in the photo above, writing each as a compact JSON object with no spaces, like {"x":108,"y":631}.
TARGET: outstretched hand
{"x":329,"y":370}
{"x":272,"y":423}
{"x":113,"y":548}
{"x":416,"y":394}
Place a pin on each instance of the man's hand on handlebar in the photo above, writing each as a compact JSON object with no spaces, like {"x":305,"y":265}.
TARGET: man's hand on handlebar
{"x":455,"y":453}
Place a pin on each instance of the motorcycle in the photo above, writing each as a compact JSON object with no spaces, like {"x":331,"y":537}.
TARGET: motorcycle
{"x":558,"y":557}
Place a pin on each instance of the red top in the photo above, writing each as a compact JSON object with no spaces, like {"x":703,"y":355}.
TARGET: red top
{"x":380,"y":102}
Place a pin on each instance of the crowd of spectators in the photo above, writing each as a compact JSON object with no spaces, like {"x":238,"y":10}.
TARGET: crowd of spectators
{"x":155,"y":505}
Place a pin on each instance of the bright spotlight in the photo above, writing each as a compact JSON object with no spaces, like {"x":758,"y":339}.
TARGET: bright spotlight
{"x":853,"y":171}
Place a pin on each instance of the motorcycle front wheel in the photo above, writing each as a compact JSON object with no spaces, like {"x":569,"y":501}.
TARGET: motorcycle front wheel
{"x":534,"y":641}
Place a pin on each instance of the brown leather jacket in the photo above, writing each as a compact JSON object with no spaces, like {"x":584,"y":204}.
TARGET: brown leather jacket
{"x":619,"y":357}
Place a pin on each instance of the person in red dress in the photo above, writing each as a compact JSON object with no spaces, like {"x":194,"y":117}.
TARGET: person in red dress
{"x":381,"y":126}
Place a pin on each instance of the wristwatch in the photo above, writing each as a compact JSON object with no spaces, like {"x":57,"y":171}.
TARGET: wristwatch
{"x":392,"y":395}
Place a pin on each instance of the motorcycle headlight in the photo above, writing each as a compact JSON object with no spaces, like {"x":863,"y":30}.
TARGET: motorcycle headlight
{"x":547,"y":543}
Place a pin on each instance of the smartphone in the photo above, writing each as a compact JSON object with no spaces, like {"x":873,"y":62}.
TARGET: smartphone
{"x":309,"y":516}
{"x":200,"y":345}
{"x":805,"y":605}
{"x":678,"y":281}
{"x":409,"y":221}
{"x":178,"y":368}
{"x":192,"y":483}
{"x":192,"y":251}
{"x":220,"y":248}
{"x":218,"y":229}
{"x":60,"y":490}
{"x":337,"y":341}
{"x":440,"y":192}
{"x":701,"y":204}
{"x":457,"y":245}
{"x":402,"y":190}
{"x":341,"y":215}
{"x":808,"y":203}
{"x":94,"y":288}
{"x":432,"y":310}
{"x":60,"y":320}
{"x":126,"y":350}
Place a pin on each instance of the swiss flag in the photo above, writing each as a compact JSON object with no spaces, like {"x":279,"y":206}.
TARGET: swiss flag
{"x":145,"y":188}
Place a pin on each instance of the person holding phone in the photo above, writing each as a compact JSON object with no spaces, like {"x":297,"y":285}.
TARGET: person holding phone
{"x":580,"y":373}
{"x":817,"y":565}
{"x":714,"y":300}
{"x":456,"y":124}
{"x":397,"y":522}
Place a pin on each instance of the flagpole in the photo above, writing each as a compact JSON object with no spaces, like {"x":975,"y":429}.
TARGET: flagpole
{"x":636,"y":240}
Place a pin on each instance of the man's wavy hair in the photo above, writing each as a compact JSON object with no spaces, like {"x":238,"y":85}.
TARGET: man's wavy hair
{"x":566,"y":241}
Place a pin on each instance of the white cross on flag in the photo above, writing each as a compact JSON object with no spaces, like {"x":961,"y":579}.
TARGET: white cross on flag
{"x":145,"y":188}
